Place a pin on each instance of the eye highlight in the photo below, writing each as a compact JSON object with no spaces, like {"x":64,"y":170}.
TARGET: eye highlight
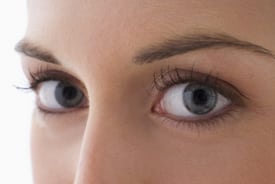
{"x":194,"y":98}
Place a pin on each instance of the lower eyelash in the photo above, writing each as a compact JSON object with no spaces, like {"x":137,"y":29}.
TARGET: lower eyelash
{"x":201,"y":125}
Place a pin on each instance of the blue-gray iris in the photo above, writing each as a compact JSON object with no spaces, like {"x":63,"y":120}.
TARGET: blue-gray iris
{"x":67,"y":95}
{"x":199,"y":99}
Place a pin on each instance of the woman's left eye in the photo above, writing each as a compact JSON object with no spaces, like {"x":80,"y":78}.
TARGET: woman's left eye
{"x":192,"y":102}
{"x":57,"y":96}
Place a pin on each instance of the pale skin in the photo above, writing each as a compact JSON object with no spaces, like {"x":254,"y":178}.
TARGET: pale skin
{"x":118,"y":136}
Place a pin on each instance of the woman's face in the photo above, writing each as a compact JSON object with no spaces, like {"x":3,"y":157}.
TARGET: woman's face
{"x":152,"y":91}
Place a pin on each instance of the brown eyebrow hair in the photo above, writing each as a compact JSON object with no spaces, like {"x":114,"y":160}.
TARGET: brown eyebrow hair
{"x":193,"y":42}
{"x":163,"y":50}
{"x":30,"y":49}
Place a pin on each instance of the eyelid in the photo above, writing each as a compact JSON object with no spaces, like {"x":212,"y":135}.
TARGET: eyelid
{"x":46,"y":74}
{"x":169,"y":77}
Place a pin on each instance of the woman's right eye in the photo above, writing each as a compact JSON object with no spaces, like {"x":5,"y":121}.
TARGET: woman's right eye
{"x":55,"y":96}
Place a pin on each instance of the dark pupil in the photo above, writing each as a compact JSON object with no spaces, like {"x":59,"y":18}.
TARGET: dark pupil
{"x":68,"y":95}
{"x":199,"y":99}
{"x":69,"y":92}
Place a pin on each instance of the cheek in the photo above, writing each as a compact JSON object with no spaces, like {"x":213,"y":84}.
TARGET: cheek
{"x":54,"y":159}
{"x":140,"y":150}
{"x":246,"y":155}
{"x":227,"y":163}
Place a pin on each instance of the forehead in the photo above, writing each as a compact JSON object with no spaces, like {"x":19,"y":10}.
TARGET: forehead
{"x":95,"y":9}
{"x":122,"y":26}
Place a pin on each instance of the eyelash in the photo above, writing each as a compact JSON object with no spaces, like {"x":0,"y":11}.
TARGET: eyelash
{"x":43,"y":74}
{"x":46,"y":74}
{"x":169,"y":77}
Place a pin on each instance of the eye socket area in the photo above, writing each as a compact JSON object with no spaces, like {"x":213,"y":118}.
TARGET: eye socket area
{"x":55,"y":96}
{"x":191,"y":101}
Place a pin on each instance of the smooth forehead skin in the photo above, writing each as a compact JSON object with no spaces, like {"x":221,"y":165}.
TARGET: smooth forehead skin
{"x":120,"y":28}
{"x":115,"y":141}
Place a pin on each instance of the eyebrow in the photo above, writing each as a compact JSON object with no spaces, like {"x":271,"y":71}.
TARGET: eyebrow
{"x":193,"y":42}
{"x":30,"y":49}
{"x":171,"y":47}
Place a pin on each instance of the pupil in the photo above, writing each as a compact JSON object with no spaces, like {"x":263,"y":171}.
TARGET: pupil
{"x":69,"y":92}
{"x":200,"y":97}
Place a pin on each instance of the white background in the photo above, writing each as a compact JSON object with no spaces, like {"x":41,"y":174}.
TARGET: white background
{"x":15,"y":106}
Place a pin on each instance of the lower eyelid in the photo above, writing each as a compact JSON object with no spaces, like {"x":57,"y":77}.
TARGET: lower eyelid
{"x":217,"y":125}
{"x":55,"y":119}
{"x":63,"y":112}
{"x":158,"y":110}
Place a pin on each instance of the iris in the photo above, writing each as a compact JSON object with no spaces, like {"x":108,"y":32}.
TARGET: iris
{"x":199,"y":99}
{"x":67,"y":95}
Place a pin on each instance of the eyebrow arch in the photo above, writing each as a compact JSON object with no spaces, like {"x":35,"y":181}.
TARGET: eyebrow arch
{"x":193,"y":42}
{"x":30,"y":49}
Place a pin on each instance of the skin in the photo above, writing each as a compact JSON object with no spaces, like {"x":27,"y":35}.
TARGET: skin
{"x":117,"y":138}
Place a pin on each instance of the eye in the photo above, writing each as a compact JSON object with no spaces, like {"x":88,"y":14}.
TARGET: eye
{"x":192,"y":101}
{"x":58,"y":96}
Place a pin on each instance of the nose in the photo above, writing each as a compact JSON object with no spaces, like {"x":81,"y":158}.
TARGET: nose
{"x":116,"y":139}
{"x":97,"y":158}
{"x":110,"y":150}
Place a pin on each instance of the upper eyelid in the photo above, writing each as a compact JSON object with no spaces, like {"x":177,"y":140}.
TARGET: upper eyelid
{"x":174,"y":76}
{"x":45,"y":74}
{"x":34,"y":66}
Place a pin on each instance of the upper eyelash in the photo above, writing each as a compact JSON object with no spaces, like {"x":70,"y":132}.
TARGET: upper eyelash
{"x":43,"y":75}
{"x":172,"y":76}
{"x":33,"y":80}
